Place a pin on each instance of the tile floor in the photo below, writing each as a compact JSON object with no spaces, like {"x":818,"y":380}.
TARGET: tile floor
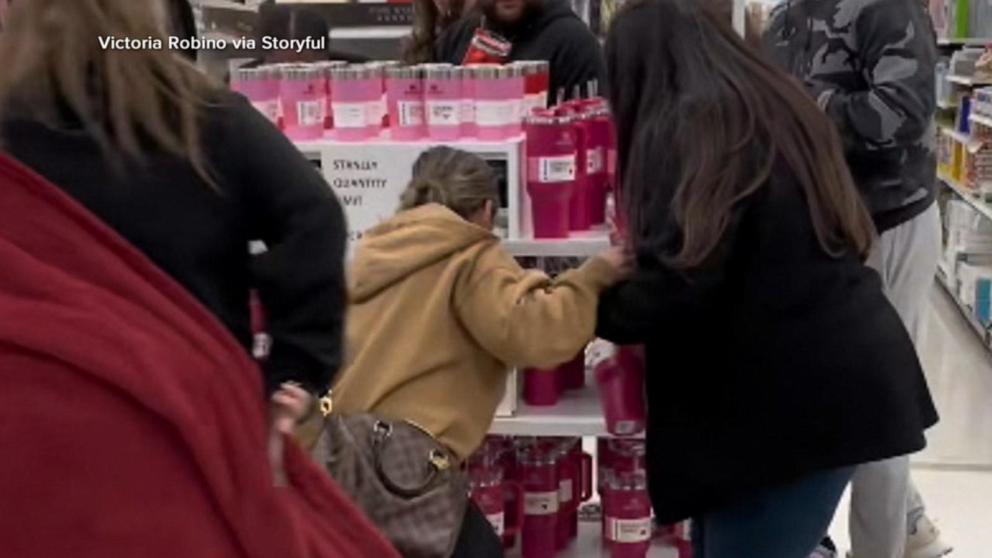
{"x":954,"y":473}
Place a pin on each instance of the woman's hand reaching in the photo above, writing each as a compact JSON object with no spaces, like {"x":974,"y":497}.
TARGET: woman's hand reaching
{"x":290,"y":405}
{"x":621,"y":259}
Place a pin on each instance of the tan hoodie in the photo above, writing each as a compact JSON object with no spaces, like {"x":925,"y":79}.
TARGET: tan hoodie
{"x":439,"y":313}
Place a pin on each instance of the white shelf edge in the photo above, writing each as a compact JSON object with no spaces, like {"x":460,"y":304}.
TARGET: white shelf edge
{"x":945,"y":105}
{"x":958,"y":136}
{"x":967,"y":195}
{"x":967,"y":81}
{"x":584,"y":246}
{"x":578,"y":413}
{"x":965,"y":41}
{"x":982,"y":120}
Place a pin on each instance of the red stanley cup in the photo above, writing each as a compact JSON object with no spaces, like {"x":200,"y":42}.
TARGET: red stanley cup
{"x":627,"y":513}
{"x":539,"y":477}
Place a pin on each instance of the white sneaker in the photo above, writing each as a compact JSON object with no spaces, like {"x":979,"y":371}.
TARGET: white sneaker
{"x":924,"y":538}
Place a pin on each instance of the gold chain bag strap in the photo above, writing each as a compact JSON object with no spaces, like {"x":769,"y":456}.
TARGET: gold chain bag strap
{"x":401,"y":477}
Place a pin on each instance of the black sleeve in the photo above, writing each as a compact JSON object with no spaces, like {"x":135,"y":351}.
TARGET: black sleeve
{"x":658,"y":296}
{"x":579,"y":60}
{"x":632,"y":311}
{"x":300,"y":279}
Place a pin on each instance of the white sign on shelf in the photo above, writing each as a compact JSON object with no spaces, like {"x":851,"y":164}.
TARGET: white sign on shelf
{"x":368,"y":180}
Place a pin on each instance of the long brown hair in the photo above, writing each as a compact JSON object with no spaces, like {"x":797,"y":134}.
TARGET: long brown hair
{"x":428,"y":23}
{"x":128,"y":100}
{"x":703,"y":121}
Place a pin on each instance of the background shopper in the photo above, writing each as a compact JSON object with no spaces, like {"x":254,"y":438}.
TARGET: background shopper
{"x":878,"y":89}
{"x":538,"y":30}
{"x":748,"y":229}
{"x":124,"y":230}
{"x":440,"y":312}
{"x":430,"y":19}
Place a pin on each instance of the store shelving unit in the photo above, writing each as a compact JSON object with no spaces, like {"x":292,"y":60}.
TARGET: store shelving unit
{"x":589,"y":545}
{"x":943,"y":278}
{"x":577,"y":414}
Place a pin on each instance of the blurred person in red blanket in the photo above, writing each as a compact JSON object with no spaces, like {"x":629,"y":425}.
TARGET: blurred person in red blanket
{"x":134,"y":422}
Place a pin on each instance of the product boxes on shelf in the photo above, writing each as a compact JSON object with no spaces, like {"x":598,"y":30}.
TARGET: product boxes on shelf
{"x":975,"y":290}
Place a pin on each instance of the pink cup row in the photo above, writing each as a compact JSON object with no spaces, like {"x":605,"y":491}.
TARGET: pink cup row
{"x":436,"y":101}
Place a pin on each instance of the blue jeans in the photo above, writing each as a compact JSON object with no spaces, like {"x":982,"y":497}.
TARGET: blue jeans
{"x":783,"y":522}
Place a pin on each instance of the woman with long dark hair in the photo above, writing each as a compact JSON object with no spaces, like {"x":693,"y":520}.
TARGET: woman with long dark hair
{"x":775,"y":363}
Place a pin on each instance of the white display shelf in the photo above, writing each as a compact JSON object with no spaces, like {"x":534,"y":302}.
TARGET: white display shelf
{"x":578,"y":413}
{"x":981,"y":120}
{"x":967,"y":195}
{"x":968,"y":81}
{"x":479,"y":147}
{"x":967,"y":41}
{"x":579,"y":245}
{"x":589,"y":545}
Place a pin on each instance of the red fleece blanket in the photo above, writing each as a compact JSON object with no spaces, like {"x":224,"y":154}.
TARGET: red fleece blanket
{"x":131,"y":423}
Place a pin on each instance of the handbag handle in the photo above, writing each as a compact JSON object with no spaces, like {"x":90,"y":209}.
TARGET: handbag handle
{"x":381,"y":433}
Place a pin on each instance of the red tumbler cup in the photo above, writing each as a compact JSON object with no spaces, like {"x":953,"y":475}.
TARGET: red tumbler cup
{"x":539,"y":477}
{"x":542,"y":388}
{"x":628,"y":516}
{"x":579,"y":214}
{"x":620,"y":377}
{"x":573,"y":373}
{"x":551,"y":173}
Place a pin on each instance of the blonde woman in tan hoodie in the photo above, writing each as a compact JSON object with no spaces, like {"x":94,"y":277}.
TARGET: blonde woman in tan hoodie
{"x":439,"y":313}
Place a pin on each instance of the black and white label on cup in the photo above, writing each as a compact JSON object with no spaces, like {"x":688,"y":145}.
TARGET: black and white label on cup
{"x":350,"y":115}
{"x":628,"y":530}
{"x":595,"y":160}
{"x":410,"y":113}
{"x":561,"y":168}
{"x":310,"y":113}
{"x":468,"y":111}
{"x":494,"y":113}
{"x":541,"y":503}
{"x":444,"y":113}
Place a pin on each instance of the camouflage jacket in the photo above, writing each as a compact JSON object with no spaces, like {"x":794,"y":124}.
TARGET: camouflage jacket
{"x":870,"y":65}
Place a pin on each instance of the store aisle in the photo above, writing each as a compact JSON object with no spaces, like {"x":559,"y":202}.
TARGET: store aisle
{"x":954,"y":473}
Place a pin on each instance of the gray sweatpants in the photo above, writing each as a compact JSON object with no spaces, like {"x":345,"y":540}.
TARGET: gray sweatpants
{"x":882,"y":494}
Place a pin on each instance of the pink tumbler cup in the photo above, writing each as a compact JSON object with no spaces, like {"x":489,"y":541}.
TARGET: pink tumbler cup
{"x":443,"y":101}
{"x":573,"y":373}
{"x":539,"y":477}
{"x":468,"y":128}
{"x":542,"y":388}
{"x":627,"y":515}
{"x":620,"y":378}
{"x":405,"y":88}
{"x":303,"y":96}
{"x":355,"y":92}
{"x":261,"y":87}
{"x":551,"y":172}
{"x":498,"y":101}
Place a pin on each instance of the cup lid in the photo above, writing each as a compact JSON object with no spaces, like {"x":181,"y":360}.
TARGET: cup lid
{"x":404,"y":72}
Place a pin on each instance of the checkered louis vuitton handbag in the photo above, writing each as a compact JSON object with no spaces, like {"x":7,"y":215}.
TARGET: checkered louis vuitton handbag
{"x":401,"y":477}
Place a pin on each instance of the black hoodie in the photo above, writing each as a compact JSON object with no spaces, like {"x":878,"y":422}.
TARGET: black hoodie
{"x":554,"y":33}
